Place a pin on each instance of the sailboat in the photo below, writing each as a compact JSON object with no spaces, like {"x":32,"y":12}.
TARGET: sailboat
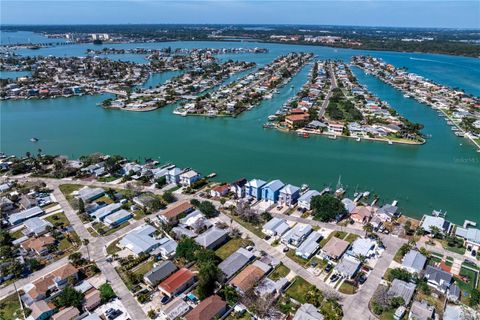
{"x":339,"y":189}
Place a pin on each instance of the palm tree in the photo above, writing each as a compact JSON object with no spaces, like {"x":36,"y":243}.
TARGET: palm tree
{"x":85,"y":243}
{"x":368,"y":228}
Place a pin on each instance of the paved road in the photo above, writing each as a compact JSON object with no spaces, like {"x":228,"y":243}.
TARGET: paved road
{"x":333,"y":85}
{"x":319,"y":224}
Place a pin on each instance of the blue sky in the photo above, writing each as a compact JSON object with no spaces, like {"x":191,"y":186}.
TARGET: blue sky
{"x":406,"y":13}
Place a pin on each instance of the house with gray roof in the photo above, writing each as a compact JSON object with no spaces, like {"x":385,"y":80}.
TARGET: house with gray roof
{"x":471,"y":235}
{"x":175,"y":309}
{"x":117,"y":218}
{"x":362,"y":247}
{"x":348,"y":267}
{"x":21,"y":216}
{"x":89,"y":194}
{"x":159,"y":273}
{"x":308,"y":248}
{"x":453,"y":293}
{"x":235,"y":262}
{"x":36,"y":226}
{"x":271,"y":191}
{"x":308,"y":312}
{"x":253,"y":188}
{"x":289,"y":195}
{"x":275,"y":227}
{"x":429,"y":222}
{"x":421,"y":311}
{"x":438,"y":278}
{"x":166,"y":248}
{"x":414,"y":261}
{"x":402,"y":289}
{"x":268,"y":286}
{"x":306,"y":198}
{"x":140,"y":240}
{"x":103,"y":212}
{"x":297,"y":234}
{"x":181,"y":232}
{"x":212,"y":238}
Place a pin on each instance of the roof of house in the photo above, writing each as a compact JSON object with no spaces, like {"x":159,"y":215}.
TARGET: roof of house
{"x":256,"y":183}
{"x":307,"y":196}
{"x":140,"y":240}
{"x":277,"y":225}
{"x":361,"y":212}
{"x":89,"y":193}
{"x":307,"y":312}
{"x":297,"y":233}
{"x":454,"y":291}
{"x":36,"y":225}
{"x":289,"y":189}
{"x":176,"y":280}
{"x":438,"y":276}
{"x":430,"y":221}
{"x":210,"y":236}
{"x":92,"y":298}
{"x":235,"y":262}
{"x":24,"y":215}
{"x":249,"y":277}
{"x":176,"y":308}
{"x":38,"y":308}
{"x":310,"y":245}
{"x":222,"y":189}
{"x":297,"y":117}
{"x":107,"y":210}
{"x":274,"y":185}
{"x":160,"y":272}
{"x":362,"y":246}
{"x":348,"y":265}
{"x":207,"y":309}
{"x":402,"y":289}
{"x":335,"y":247}
{"x":38,"y":244}
{"x":471,"y":234}
{"x":177,"y":209}
{"x":421,"y":310}
{"x":414,"y":260}
{"x":66,"y":314}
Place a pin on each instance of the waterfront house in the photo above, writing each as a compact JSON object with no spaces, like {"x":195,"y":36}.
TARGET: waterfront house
{"x":297,"y":234}
{"x":253,"y":188}
{"x":348,"y":267}
{"x":414,"y":261}
{"x":212,"y":238}
{"x":348,"y":204}
{"x":175,"y":309}
{"x":174,"y":212}
{"x":336,"y":128}
{"x":361,"y":214}
{"x":289,"y":195}
{"x":159,"y":273}
{"x":308,"y":312}
{"x":40,"y":310}
{"x":334,"y":248}
{"x":250,"y":276}
{"x":437,"y":278}
{"x":294,"y":121}
{"x":471,"y":236}
{"x":117,"y":218}
{"x":271,"y":191}
{"x":306,"y":198}
{"x":173,"y":175}
{"x":177,"y":282}
{"x":235,"y":262}
{"x":429,"y":222}
{"x":187,"y":178}
{"x":421,"y":311}
{"x":36,"y":226}
{"x":210,"y":308}
{"x":220,"y":191}
{"x":387,"y":212}
{"x":140,"y":240}
{"x":275,"y":227}
{"x":400,"y":288}
{"x":21,"y":216}
{"x":238,"y":188}
{"x":310,"y":246}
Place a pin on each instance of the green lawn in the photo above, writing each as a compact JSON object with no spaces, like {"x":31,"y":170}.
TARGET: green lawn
{"x":291,"y":254}
{"x":470,"y":274}
{"x":231,"y":246}
{"x":58,"y":220}
{"x":347,"y":288}
{"x":144,"y":267}
{"x":107,"y":179}
{"x":105,"y":199}
{"x":279,"y":272}
{"x":67,"y":189}
{"x":17,"y":234}
{"x":351,"y":237}
{"x":256,"y":229}
{"x":340,"y":234}
{"x":458,"y":250}
{"x":298,"y":290}
{"x":112,"y":247}
{"x":10,"y":308}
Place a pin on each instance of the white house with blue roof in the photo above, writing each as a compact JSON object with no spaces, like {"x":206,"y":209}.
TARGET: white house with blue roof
{"x":271,"y":191}
{"x":253,"y":188}
{"x":289,"y":195}
{"x":306,"y":198}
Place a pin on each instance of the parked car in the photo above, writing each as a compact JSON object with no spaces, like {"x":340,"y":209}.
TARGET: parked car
{"x":165,"y":299}
{"x":334,"y":277}
{"x":328,"y":267}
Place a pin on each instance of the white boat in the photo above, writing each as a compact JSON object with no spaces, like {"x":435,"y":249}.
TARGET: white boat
{"x":272,"y":117}
{"x":358,"y":139}
{"x":390,"y":142}
{"x":406,"y":96}
{"x":333,"y":137}
{"x":34,"y":139}
{"x":366,"y":194}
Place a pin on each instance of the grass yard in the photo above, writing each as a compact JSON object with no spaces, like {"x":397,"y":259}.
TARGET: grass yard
{"x":471,"y":275}
{"x":58,"y":219}
{"x":10,"y":308}
{"x":231,"y":246}
{"x":17,"y":234}
{"x":458,"y":250}
{"x":351,"y":237}
{"x":107,"y":179}
{"x":348,"y":288}
{"x":112,"y":247}
{"x":104,"y":231}
{"x":279,"y":272}
{"x":67,"y":189}
{"x":298,"y":290}
{"x":144,"y":267}
{"x":340,"y":234}
{"x":256,"y":229}
{"x":325,"y":240}
{"x":291,"y":254}
{"x":105,"y":199}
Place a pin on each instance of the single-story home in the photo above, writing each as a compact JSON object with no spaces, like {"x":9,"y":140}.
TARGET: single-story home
{"x":414,"y":261}
{"x":348,"y":266}
{"x":310,"y":246}
{"x":173,"y":213}
{"x":177,"y":282}
{"x":235,"y":262}
{"x":402,"y":289}
{"x":275,"y":227}
{"x":250,"y":276}
{"x":159,"y":273}
{"x":334,"y":248}
{"x":297,"y":234}
{"x":212,"y":307}
{"x":212,"y":238}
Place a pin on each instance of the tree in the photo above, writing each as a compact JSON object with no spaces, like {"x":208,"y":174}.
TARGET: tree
{"x":69,"y":297}
{"x":396,"y":302}
{"x":81,"y":206}
{"x":207,"y":277}
{"x":230,"y":294}
{"x":76,"y":258}
{"x":85,"y":243}
{"x":195,"y":202}
{"x":160,"y":182}
{"x":474,"y":298}
{"x":106,"y":292}
{"x":186,"y":249}
{"x":207,"y":208}
{"x":400,"y":274}
{"x":168,"y":197}
{"x":151,"y":314}
{"x":326,"y":207}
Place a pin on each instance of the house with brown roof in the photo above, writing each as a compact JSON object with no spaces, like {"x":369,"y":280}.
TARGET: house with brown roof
{"x":177,"y":282}
{"x":294,"y":121}
{"x":41,"y":310}
{"x":172,"y":214}
{"x":250,"y":276}
{"x":66,"y":314}
{"x":361,"y":214}
{"x":334,"y":248}
{"x":55,"y":280}
{"x":92,"y":299}
{"x":38,"y":245}
{"x":210,"y":308}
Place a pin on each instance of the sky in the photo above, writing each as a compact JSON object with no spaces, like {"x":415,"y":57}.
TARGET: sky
{"x":404,"y":13}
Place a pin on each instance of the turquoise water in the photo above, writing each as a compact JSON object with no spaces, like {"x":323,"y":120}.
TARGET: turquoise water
{"x":442,"y":174}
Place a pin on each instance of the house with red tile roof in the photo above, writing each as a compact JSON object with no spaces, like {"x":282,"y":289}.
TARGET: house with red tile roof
{"x":177,"y":282}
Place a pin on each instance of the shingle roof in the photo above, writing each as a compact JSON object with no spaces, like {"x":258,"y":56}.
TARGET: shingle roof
{"x":209,"y":237}
{"x":402,"y":289}
{"x":177,"y":209}
{"x":307,"y":312}
{"x":207,"y":309}
{"x":335,"y":247}
{"x":414,"y":260}
{"x":235,"y":262}
{"x":160,"y":272}
{"x":274,"y":185}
